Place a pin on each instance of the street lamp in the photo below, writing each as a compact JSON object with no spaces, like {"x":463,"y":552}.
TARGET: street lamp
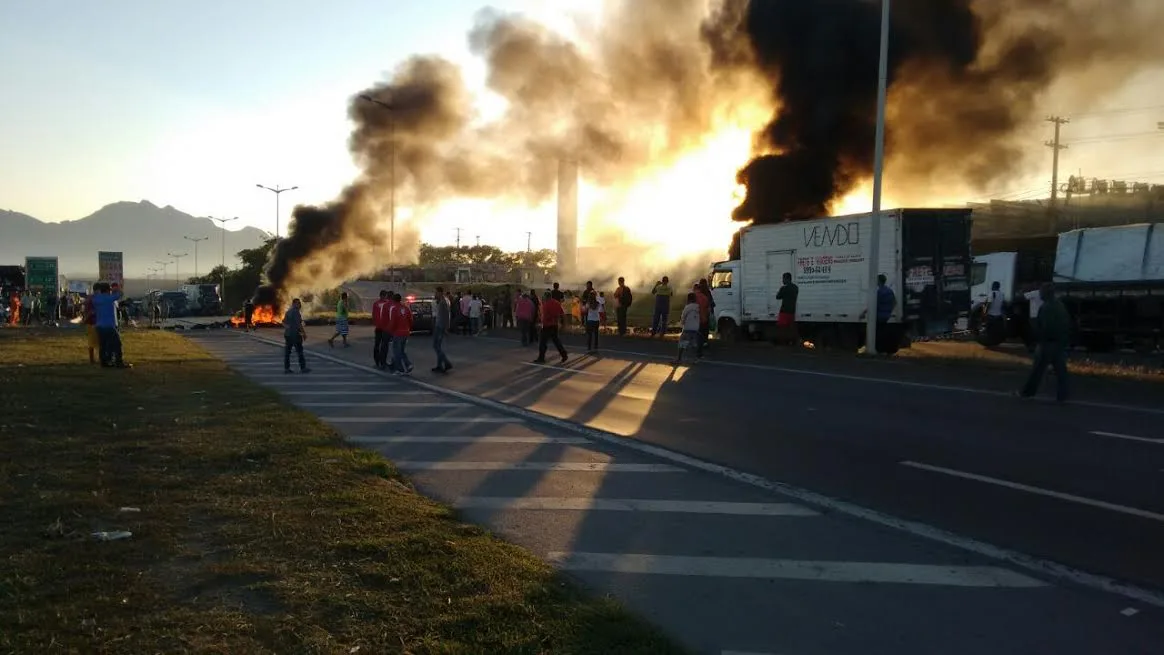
{"x":391,"y":174}
{"x":878,"y":166}
{"x":195,"y":240}
{"x":277,"y":190}
{"x":165,"y":268}
{"x":177,"y":257}
{"x":222,"y":223}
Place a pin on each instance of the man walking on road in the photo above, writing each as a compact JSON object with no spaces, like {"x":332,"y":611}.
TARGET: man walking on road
{"x":622,"y":302}
{"x":441,"y":316}
{"x":525,"y":314}
{"x":380,"y":320}
{"x":400,"y":326}
{"x":293,"y":336}
{"x":1052,"y":334}
{"x":552,"y":314}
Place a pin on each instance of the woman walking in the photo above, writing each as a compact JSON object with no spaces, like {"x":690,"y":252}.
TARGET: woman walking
{"x":341,"y":321}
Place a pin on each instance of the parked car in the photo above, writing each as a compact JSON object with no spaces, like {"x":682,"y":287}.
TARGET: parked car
{"x":422,"y":314}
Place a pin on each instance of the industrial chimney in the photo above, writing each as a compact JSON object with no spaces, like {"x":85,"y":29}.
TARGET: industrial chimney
{"x":567,"y":220}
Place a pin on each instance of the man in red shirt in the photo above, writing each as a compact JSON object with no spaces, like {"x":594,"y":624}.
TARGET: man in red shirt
{"x":552,"y":314}
{"x":380,"y":321}
{"x":400,"y":326}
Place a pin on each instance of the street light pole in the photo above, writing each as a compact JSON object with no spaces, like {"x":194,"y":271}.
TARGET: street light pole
{"x":277,"y":190}
{"x":878,"y":169}
{"x":195,"y":241}
{"x":391,"y":174}
{"x":222,"y":223}
{"x":177,"y":257}
{"x":165,"y":268}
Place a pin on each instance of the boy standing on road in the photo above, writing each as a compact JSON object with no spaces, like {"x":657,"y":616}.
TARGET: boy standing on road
{"x":622,"y":302}
{"x":525,"y":314}
{"x":293,"y":335}
{"x":690,"y":321}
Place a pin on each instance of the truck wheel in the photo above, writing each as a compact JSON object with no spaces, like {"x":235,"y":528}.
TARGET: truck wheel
{"x":727,"y":330}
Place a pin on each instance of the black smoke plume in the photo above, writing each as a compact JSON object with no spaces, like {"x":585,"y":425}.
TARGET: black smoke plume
{"x":965,"y":81}
{"x":967,"y":78}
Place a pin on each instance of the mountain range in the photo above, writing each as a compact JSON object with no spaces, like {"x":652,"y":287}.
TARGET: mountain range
{"x":141,"y":230}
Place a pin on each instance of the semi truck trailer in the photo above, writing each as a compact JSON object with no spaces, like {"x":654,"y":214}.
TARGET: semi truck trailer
{"x":924,"y":254}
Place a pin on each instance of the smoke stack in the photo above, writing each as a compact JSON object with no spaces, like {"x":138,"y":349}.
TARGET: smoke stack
{"x":567,"y":219}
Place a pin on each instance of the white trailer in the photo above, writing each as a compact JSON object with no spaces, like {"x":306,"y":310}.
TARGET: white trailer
{"x":924,"y":255}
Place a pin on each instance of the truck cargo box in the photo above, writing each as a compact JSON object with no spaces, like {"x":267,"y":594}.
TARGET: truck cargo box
{"x":1127,"y":253}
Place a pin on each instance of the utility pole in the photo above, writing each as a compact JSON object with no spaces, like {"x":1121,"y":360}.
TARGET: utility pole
{"x":528,"y":241}
{"x":177,"y":258}
{"x":478,"y":240}
{"x":195,"y":241}
{"x":458,"y":237}
{"x":222,"y":224}
{"x":878,"y":171}
{"x":1056,"y":145}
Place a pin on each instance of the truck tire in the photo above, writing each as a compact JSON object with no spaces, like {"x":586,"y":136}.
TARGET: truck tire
{"x":727,"y":330}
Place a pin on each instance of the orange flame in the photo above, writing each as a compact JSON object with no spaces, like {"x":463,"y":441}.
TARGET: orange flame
{"x":262,"y":315}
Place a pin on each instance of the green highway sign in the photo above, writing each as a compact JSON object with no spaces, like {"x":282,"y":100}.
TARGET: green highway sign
{"x":42,"y":274}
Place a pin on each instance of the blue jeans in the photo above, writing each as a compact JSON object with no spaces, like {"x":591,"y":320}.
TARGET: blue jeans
{"x":293,"y":343}
{"x":109,"y":341}
{"x":438,"y":344}
{"x":474,"y":325}
{"x":400,"y":360}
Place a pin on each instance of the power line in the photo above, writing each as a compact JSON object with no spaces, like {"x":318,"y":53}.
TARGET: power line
{"x":1114,"y":137}
{"x":1112,"y":112}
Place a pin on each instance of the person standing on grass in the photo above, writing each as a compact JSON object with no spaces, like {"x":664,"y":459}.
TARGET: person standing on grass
{"x":341,"y":321}
{"x":105,"y":308}
{"x":525,"y":313}
{"x":400,"y":325}
{"x":552,"y":314}
{"x":690,"y":322}
{"x":662,"y":292}
{"x":90,"y":314}
{"x":1053,"y":334}
{"x":622,"y":302}
{"x":593,"y":321}
{"x":294,"y":333}
{"x":380,"y":321}
{"x":441,"y":317}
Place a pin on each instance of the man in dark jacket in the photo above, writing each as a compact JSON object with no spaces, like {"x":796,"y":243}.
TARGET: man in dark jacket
{"x":1053,"y":333}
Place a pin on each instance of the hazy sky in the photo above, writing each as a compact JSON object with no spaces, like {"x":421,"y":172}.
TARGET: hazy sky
{"x":191,"y":104}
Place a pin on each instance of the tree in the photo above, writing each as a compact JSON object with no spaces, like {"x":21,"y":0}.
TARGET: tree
{"x":241,"y":282}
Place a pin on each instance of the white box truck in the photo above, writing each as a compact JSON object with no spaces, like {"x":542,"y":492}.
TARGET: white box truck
{"x":924,"y":254}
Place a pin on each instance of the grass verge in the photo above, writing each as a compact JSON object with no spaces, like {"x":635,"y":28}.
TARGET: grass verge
{"x":258,"y":530}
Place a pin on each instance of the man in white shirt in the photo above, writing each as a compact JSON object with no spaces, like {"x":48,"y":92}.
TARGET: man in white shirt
{"x":475,"y":307}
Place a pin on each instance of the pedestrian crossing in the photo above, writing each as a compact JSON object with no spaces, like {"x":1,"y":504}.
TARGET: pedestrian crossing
{"x":721,"y":566}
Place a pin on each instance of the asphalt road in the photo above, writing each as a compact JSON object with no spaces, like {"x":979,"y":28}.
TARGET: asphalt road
{"x":728,"y":567}
{"x":901,"y":438}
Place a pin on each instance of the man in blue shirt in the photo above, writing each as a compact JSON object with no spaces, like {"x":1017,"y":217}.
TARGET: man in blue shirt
{"x":887,"y":337}
{"x":105,"y":308}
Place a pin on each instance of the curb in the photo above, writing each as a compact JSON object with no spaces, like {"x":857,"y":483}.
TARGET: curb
{"x":1044,"y":568}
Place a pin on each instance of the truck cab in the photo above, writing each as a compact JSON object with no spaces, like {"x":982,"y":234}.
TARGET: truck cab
{"x":724,"y":278}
